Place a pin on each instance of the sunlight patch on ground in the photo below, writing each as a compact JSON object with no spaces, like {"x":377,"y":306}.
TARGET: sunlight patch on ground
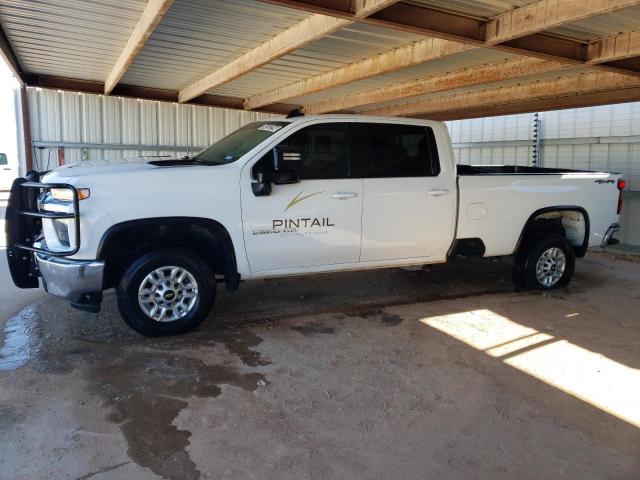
{"x":589,"y":376}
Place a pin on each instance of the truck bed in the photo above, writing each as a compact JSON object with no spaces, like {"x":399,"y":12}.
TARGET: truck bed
{"x":495,"y":202}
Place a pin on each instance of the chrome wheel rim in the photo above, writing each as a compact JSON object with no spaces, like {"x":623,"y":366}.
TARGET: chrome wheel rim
{"x":168,"y":294}
{"x":550,"y":266}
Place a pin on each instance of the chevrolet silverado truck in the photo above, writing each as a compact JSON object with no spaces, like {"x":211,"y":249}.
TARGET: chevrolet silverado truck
{"x":295,"y":196}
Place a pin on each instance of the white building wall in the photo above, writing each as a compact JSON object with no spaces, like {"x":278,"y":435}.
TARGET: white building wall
{"x":595,"y":138}
{"x":92,"y":120}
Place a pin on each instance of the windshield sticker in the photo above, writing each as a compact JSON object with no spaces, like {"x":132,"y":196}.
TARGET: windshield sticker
{"x":270,"y":128}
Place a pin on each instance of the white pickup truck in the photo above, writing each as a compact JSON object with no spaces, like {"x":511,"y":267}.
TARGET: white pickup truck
{"x":289,"y":197}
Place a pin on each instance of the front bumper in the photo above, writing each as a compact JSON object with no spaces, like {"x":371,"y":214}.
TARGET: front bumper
{"x":71,"y":279}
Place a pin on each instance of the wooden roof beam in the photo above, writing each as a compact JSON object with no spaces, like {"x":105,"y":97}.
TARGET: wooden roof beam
{"x":619,"y":51}
{"x":606,"y":97}
{"x":581,"y":84}
{"x":146,"y":93}
{"x":386,"y":62}
{"x":149,"y":20}
{"x":9,"y":56}
{"x":617,"y":47}
{"x":311,"y":28}
{"x":546,"y":15}
{"x":474,"y":75}
{"x":513,"y":32}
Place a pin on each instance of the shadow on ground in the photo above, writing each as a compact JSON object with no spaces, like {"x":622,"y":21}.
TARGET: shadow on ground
{"x":331,"y":376}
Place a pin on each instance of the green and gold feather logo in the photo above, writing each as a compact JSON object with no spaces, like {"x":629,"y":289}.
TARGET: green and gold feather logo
{"x":298,"y":198}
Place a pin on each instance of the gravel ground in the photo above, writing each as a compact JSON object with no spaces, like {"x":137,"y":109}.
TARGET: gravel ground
{"x":445,"y":372}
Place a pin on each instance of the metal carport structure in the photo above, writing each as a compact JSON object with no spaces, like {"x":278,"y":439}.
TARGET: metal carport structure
{"x":427,"y":58}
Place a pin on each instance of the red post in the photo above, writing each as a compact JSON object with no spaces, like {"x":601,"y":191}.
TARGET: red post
{"x":26,"y":129}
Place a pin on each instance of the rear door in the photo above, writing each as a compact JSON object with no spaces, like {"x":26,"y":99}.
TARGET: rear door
{"x":409,"y":200}
{"x":312,"y":223}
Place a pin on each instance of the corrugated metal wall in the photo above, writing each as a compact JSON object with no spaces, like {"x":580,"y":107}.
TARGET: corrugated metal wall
{"x":598,"y":138}
{"x":92,"y":120}
{"x":595,"y":138}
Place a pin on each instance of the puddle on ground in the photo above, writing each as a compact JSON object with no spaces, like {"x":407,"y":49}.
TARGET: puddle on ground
{"x":22,"y":339}
{"x":388,"y":319}
{"x":238,"y":341}
{"x":313,"y":328}
{"x":143,"y":382}
{"x":146,"y":392}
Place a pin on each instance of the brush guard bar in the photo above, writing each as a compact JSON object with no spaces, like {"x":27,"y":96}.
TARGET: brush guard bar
{"x":24,"y":228}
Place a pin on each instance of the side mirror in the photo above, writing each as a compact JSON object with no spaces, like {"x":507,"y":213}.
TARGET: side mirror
{"x":282,"y":167}
{"x":286,"y":164}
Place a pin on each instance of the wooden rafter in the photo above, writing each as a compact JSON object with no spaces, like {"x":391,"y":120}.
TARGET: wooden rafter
{"x":524,"y":37}
{"x":147,"y":93}
{"x":494,"y":72}
{"x":149,"y":20}
{"x":9,"y":56}
{"x":312,"y":28}
{"x":545,"y":15}
{"x":614,"y":48}
{"x":364,"y":8}
{"x":402,"y":57}
{"x":623,"y":47}
{"x":581,"y":84}
{"x":605,"y":97}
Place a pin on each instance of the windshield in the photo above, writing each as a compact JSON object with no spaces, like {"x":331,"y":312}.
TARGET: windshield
{"x":235,"y":145}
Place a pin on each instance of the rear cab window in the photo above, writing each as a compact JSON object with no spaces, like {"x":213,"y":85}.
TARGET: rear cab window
{"x":383,"y":150}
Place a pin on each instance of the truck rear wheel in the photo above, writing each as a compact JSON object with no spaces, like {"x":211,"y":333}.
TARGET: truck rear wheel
{"x":166,"y":292}
{"x":545,"y":262}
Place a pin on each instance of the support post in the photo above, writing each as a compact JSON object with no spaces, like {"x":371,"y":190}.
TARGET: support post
{"x":26,"y":129}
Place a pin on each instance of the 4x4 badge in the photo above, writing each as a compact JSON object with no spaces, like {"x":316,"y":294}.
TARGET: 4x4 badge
{"x":297,"y":199}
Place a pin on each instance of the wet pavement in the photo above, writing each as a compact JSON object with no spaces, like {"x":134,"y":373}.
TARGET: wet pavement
{"x":378,"y":374}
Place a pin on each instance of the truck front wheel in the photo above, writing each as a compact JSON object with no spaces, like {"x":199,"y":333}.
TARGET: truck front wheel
{"x":545,"y":262}
{"x":166,"y":292}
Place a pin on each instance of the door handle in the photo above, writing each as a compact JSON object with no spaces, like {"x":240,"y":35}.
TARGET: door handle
{"x":438,"y":193}
{"x":344,"y":195}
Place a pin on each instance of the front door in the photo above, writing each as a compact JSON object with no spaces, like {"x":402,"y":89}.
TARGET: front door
{"x":313,"y":223}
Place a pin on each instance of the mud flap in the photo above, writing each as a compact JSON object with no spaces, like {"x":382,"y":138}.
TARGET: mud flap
{"x":19,"y":228}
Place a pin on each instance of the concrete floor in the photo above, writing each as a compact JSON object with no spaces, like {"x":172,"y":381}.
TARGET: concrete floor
{"x":441,"y":373}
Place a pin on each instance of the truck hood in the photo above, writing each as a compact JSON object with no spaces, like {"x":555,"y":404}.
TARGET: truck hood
{"x":116,"y":166}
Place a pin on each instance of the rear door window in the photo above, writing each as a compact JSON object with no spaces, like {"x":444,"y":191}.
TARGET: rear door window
{"x":392,"y":150}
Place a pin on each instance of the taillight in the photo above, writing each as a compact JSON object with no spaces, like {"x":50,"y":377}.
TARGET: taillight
{"x":621,"y":184}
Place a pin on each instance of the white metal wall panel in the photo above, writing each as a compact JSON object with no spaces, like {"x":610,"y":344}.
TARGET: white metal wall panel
{"x":58,"y":116}
{"x":492,"y":129}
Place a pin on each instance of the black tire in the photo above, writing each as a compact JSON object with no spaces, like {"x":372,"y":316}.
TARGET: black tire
{"x":127,"y":292}
{"x":524,"y":269}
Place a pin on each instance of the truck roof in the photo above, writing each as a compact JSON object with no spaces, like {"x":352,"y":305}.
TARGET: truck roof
{"x":361,"y":118}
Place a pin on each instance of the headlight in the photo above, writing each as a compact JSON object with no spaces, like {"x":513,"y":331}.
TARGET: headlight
{"x":66,"y":194}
